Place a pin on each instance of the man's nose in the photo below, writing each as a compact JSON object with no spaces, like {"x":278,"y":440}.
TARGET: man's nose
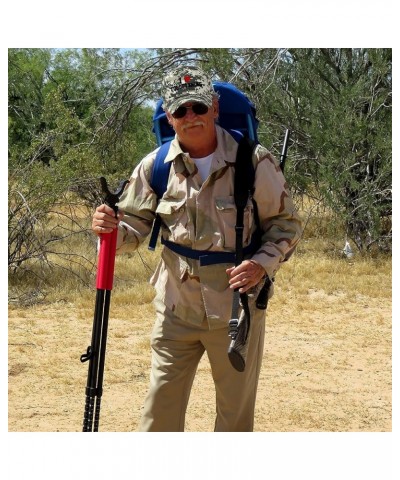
{"x":189,"y":112}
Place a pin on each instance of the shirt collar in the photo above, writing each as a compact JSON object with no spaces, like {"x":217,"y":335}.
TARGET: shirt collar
{"x":225,"y":153}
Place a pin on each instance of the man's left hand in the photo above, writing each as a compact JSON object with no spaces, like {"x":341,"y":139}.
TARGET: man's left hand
{"x":246,"y":275}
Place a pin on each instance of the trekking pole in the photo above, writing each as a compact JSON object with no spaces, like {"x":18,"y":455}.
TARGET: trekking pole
{"x":284,"y":150}
{"x":96,"y":352}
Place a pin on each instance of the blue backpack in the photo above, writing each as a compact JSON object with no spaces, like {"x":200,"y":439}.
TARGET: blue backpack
{"x":237,"y":114}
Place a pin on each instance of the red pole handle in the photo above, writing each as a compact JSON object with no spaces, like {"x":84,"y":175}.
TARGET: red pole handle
{"x":106,"y":260}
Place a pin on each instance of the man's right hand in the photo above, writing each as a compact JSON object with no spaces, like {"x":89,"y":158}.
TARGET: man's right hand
{"x":104,"y":220}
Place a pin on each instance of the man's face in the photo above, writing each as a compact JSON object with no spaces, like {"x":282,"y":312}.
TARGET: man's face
{"x":193,"y":128}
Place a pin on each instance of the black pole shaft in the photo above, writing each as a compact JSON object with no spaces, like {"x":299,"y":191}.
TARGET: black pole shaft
{"x":102,"y":358}
{"x":96,"y":356}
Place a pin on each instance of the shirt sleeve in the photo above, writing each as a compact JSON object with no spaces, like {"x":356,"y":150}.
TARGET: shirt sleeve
{"x":138,"y":203}
{"x":279,"y":222}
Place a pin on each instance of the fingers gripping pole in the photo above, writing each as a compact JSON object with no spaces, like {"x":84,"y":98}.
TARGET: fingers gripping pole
{"x":108,"y":242}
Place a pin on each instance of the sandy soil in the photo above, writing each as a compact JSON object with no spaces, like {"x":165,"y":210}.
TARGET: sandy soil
{"x":324,"y":369}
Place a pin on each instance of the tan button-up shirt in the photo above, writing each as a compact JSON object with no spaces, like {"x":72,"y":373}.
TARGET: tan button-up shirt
{"x":202,"y":216}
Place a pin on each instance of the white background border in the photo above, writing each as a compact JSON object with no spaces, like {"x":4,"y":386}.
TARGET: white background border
{"x":119,"y":24}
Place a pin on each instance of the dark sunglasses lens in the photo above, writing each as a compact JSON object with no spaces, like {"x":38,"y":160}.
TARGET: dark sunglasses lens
{"x":179,"y":112}
{"x":198,"y":109}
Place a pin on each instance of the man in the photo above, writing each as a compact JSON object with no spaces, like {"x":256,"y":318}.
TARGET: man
{"x":193,"y":301}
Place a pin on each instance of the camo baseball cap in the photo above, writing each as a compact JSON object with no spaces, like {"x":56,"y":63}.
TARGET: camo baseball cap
{"x":186,"y":84}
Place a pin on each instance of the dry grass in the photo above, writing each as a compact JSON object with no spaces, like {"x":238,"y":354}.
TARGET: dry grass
{"x":327,"y":363}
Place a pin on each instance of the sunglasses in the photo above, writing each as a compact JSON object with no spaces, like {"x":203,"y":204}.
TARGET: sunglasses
{"x":197,"y":108}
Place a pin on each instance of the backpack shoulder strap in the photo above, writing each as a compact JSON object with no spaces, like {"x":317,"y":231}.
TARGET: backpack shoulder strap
{"x":160,"y":172}
{"x":243,"y":189}
{"x":244,"y":172}
{"x":159,"y":182}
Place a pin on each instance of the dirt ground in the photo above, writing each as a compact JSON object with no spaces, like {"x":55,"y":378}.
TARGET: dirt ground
{"x":326,"y":370}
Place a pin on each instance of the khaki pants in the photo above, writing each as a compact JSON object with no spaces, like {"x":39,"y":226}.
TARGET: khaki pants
{"x":177,"y":348}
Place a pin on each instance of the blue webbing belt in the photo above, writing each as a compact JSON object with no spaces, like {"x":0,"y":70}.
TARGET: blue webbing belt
{"x":207,"y":257}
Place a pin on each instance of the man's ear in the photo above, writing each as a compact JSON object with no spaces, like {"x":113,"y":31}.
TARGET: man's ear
{"x":169,"y":117}
{"x":215,"y":106}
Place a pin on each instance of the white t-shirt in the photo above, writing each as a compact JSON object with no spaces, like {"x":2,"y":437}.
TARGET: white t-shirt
{"x":204,"y":165}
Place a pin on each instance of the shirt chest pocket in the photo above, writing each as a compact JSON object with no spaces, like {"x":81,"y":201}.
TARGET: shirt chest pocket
{"x":174,"y":216}
{"x":226,"y":213}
